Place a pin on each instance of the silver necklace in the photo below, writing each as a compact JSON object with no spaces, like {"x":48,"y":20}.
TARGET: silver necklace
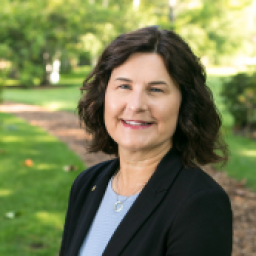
{"x":119,"y":204}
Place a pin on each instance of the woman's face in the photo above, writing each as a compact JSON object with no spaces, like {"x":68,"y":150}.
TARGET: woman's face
{"x":142,"y":104}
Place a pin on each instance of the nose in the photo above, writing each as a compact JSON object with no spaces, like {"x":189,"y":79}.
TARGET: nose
{"x":137,"y":102}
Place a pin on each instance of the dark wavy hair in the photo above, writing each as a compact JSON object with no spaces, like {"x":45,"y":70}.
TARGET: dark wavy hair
{"x":197,"y":136}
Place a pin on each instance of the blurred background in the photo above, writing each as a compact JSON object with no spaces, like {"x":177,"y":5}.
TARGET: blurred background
{"x":48,"y":47}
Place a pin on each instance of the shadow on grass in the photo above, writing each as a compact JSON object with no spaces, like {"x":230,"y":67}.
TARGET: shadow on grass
{"x":33,"y":197}
{"x":242,"y":162}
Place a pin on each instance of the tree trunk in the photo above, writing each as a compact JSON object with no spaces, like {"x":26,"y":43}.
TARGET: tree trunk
{"x":45,"y":80}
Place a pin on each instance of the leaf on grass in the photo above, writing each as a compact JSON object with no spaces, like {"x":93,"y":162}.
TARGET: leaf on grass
{"x":28,"y":163}
{"x":37,"y":245}
{"x":12,"y":215}
{"x":240,"y":192}
{"x":11,"y":127}
{"x":241,"y":183}
{"x":2,"y":151}
{"x":69,"y":168}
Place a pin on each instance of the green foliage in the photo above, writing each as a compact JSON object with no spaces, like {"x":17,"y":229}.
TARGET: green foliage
{"x":240,"y":98}
{"x":215,"y":83}
{"x":210,"y":27}
{"x":33,"y":197}
{"x":34,"y":33}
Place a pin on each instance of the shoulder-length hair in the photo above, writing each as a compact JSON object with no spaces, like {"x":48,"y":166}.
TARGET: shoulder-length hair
{"x":197,"y":136}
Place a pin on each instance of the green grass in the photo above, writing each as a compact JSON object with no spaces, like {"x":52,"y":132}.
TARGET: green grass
{"x":53,"y":99}
{"x":76,"y":77}
{"x":243,"y":159}
{"x":38,"y":194}
{"x":242,"y":150}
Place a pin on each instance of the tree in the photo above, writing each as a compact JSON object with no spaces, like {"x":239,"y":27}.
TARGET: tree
{"x":213,"y":28}
{"x":35,"y":32}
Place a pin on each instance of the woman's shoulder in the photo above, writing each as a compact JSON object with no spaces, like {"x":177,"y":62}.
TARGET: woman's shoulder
{"x":90,"y":174}
{"x":196,"y":191}
{"x":195,"y":182}
{"x":200,"y":180}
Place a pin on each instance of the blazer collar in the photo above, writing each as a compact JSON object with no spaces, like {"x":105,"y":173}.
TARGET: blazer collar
{"x":89,"y":209}
{"x":163,"y":175}
{"x":149,"y":198}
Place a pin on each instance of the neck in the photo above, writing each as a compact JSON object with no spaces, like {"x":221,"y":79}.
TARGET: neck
{"x":136,"y":168}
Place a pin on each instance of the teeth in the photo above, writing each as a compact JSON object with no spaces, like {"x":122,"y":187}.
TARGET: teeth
{"x":135,"y":123}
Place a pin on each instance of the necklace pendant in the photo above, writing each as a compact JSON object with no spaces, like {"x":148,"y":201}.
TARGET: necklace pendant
{"x":118,"y":206}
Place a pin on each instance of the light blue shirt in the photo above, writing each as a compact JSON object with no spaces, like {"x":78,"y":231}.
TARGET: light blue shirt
{"x":105,"y":222}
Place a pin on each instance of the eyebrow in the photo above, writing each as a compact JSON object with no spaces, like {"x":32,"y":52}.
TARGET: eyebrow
{"x":150,"y":83}
{"x":123,"y":79}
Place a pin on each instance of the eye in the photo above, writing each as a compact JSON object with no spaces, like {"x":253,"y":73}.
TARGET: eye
{"x":156,"y":90}
{"x":124,"y":86}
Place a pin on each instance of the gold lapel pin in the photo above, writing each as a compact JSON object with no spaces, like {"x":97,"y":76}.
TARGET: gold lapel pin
{"x":93,"y":188}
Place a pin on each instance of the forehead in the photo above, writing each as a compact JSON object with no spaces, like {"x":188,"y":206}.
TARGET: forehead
{"x":142,"y":66}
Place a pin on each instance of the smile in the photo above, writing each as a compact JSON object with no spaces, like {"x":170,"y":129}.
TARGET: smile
{"x":136,"y":124}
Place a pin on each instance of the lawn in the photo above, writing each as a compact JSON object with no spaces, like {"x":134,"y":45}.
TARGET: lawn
{"x":243,"y":161}
{"x":33,"y":194}
{"x":53,"y":99}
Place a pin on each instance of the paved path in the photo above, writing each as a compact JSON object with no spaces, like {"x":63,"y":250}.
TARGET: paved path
{"x":65,"y":126}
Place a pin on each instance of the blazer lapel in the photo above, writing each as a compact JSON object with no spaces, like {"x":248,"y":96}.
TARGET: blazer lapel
{"x":90,"y":208}
{"x":150,"y":197}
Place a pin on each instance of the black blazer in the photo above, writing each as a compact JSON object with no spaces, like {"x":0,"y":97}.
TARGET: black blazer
{"x":180,"y":212}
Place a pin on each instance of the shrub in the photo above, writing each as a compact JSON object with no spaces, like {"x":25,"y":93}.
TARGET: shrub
{"x":240,"y":98}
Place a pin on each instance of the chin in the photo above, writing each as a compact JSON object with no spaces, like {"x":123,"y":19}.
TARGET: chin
{"x":135,"y":147}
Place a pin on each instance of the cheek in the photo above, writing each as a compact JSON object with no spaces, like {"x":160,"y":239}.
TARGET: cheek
{"x":167,"y":112}
{"x":112,"y":106}
{"x":108,"y":116}
{"x":166,"y":109}
{"x":107,"y":108}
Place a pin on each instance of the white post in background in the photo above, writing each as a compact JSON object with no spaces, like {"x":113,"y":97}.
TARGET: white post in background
{"x":55,"y":75}
{"x":105,"y":3}
{"x":172,"y":4}
{"x":136,"y":5}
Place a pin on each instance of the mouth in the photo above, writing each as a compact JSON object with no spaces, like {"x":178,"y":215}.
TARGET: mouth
{"x":136,"y":123}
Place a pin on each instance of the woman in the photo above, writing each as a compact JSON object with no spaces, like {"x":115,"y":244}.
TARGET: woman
{"x":147,"y":103}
